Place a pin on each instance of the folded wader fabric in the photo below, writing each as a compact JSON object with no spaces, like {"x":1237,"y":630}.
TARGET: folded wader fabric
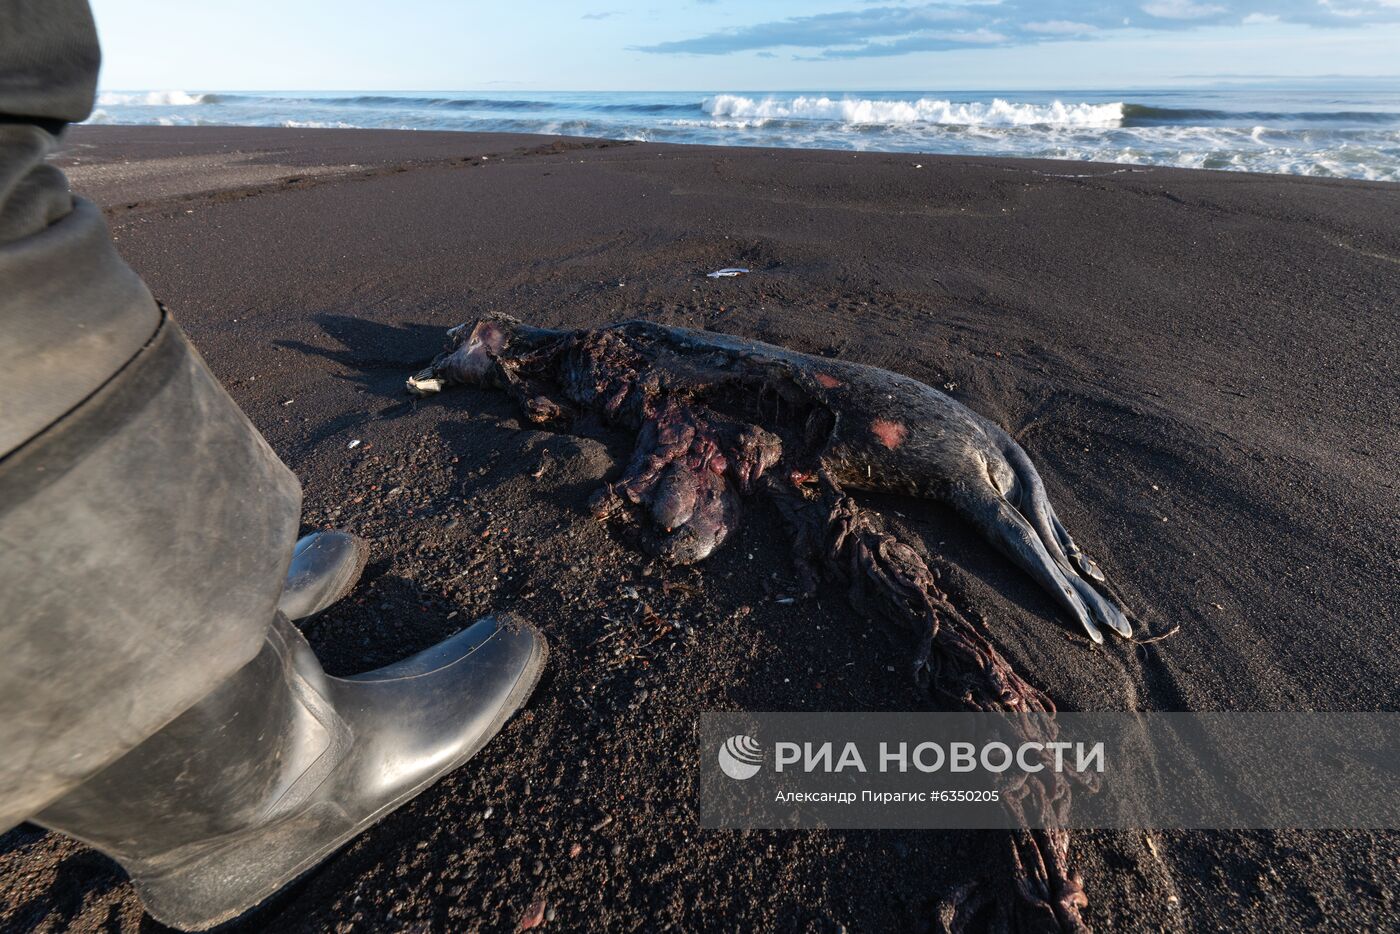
{"x":145,"y":526}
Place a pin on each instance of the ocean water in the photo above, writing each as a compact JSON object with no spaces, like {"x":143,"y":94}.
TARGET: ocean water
{"x":1321,"y":132}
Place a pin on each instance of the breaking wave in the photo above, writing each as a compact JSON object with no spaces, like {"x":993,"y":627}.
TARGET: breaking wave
{"x":153,"y":99}
{"x":867,"y":112}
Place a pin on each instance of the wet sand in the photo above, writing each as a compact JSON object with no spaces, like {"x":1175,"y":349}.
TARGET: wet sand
{"x":1202,"y":365}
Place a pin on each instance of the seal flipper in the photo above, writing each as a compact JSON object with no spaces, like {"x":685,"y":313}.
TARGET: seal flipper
{"x":1005,"y":528}
{"x":1104,"y":609}
{"x":1087,"y":566}
{"x":1035,"y":505}
{"x":1058,"y":545}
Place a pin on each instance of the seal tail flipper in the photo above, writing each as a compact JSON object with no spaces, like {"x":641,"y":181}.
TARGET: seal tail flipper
{"x":1087,"y":565}
{"x":1104,"y":609}
{"x":1035,"y":506}
{"x":1004,"y":527}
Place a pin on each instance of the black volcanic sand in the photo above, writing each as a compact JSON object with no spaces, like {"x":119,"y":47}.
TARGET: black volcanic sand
{"x":1203,"y":365}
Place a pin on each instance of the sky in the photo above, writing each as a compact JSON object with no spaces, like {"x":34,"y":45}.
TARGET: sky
{"x":829,"y":45}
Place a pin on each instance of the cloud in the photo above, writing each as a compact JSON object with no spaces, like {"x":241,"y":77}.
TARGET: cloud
{"x":885,"y":29}
{"x":927,"y":42}
{"x":821,"y":30}
{"x":1182,"y":9}
{"x":1060,"y":27}
{"x":605,"y":14}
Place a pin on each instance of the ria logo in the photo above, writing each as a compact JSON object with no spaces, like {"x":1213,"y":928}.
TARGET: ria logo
{"x":740,"y":757}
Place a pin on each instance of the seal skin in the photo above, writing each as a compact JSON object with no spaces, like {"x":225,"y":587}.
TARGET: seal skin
{"x":714,"y":413}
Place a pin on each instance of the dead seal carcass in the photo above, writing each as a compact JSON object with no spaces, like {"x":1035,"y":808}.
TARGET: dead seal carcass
{"x":715,"y":413}
{"x":717,"y":416}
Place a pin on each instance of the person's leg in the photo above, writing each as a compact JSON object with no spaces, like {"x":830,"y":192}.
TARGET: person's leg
{"x":133,"y":573}
{"x":144,"y":541}
{"x":146,"y":530}
{"x":282,"y":764}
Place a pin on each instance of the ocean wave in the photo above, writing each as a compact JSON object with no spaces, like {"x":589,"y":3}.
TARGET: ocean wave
{"x":185,"y":99}
{"x":394,"y":100}
{"x":462,"y":103}
{"x":719,"y":123}
{"x":490,"y":103}
{"x":646,"y":108}
{"x":153,"y":99}
{"x":864,"y":111}
{"x":1147,"y":115}
{"x":1292,"y":132}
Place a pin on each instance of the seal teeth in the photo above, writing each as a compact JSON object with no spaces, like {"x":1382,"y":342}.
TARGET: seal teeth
{"x":426,"y":383}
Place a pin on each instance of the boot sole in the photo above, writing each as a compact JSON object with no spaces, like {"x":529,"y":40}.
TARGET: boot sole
{"x":361,"y":559}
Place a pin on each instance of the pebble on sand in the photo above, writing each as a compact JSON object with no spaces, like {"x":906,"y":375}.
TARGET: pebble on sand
{"x":534,"y":915}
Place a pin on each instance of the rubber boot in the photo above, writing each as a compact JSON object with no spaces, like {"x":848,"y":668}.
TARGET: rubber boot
{"x":282,"y":764}
{"x":325,"y":567}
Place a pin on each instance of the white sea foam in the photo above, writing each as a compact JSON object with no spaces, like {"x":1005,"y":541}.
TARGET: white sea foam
{"x":863,"y":111}
{"x":321,"y":125}
{"x":719,"y":123}
{"x":149,"y":99}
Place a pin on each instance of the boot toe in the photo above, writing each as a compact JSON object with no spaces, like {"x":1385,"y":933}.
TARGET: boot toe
{"x":325,"y":567}
{"x":419,"y":718}
{"x":504,"y":641}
